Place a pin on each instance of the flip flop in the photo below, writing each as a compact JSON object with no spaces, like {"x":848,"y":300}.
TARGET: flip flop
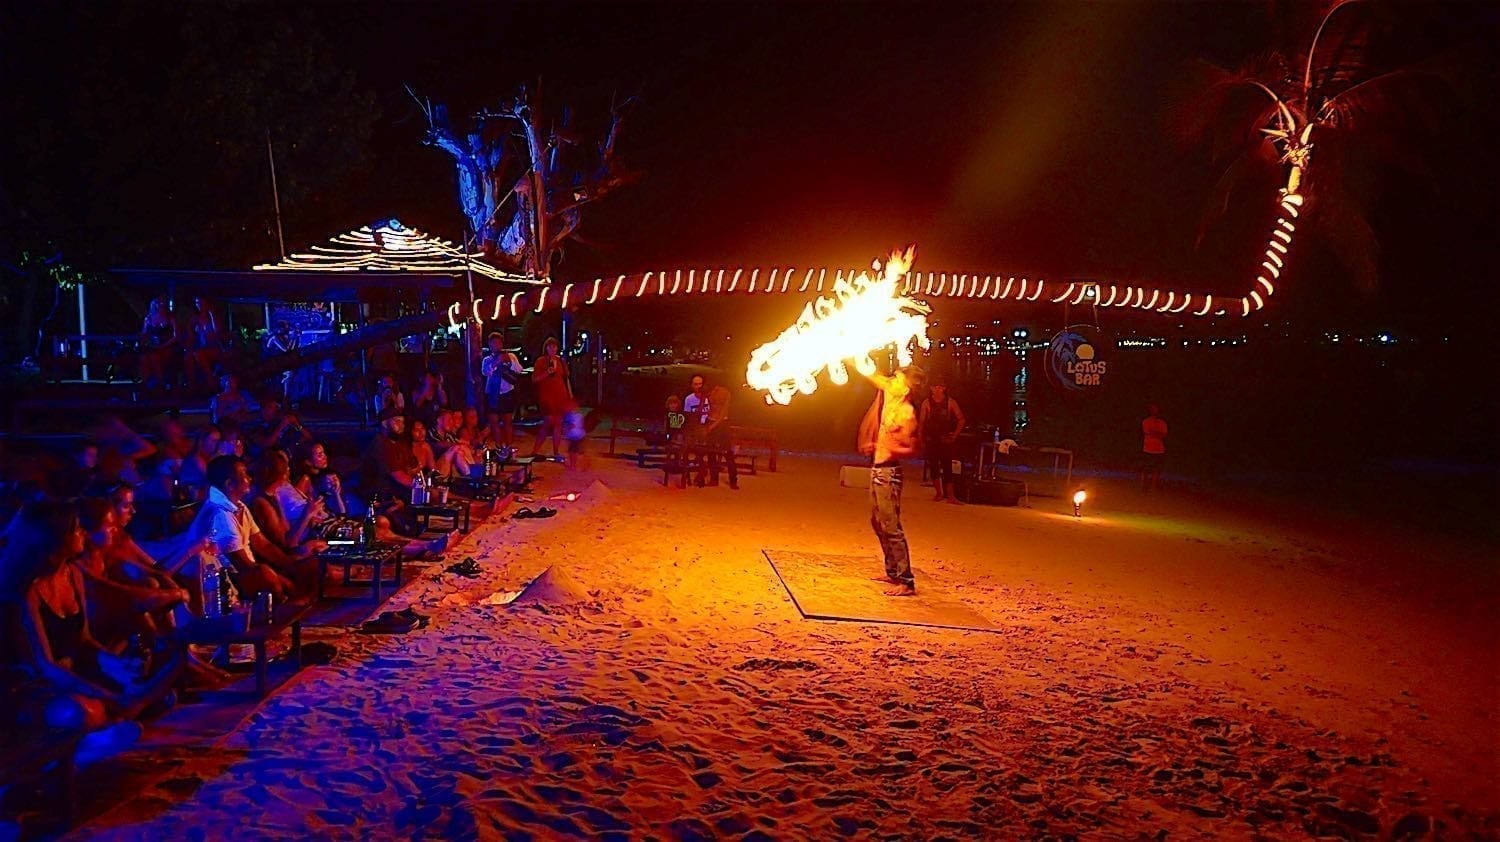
{"x":389,"y":623}
{"x":522,"y":514}
{"x":422,"y":620}
{"x":468,"y":568}
{"x":544,"y":512}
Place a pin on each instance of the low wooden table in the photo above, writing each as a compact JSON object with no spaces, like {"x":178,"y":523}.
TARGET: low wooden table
{"x":220,"y":632}
{"x":453,"y":509}
{"x":375,"y":558}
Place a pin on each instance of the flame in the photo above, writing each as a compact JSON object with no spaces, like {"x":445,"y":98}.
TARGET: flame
{"x":864,"y":315}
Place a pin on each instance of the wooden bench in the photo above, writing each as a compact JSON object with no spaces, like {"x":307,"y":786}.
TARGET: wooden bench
{"x":684,"y":460}
{"x":633,"y":428}
{"x":760,"y":438}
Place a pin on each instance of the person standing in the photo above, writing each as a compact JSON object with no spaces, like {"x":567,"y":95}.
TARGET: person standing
{"x":502,"y":373}
{"x":888,"y":434}
{"x":204,"y":344}
{"x":158,"y":344}
{"x":720,"y":438}
{"x":1153,"y":448}
{"x":554,"y":396}
{"x":283,"y":340}
{"x":940,"y":422}
{"x":695,"y":442}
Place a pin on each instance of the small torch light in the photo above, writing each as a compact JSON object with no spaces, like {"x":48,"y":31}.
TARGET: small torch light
{"x":1078,"y":497}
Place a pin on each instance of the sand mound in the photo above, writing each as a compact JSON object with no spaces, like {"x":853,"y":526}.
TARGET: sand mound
{"x":599,"y":491}
{"x":552,"y":587}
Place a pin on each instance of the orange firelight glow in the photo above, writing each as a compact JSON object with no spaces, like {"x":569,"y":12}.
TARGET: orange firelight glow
{"x":864,"y":315}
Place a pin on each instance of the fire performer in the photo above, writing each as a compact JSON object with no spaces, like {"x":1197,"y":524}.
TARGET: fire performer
{"x":887,"y":434}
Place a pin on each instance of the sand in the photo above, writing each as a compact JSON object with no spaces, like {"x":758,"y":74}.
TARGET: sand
{"x":1163,"y":666}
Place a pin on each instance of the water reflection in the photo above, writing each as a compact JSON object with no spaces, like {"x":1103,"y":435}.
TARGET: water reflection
{"x":994,"y":391}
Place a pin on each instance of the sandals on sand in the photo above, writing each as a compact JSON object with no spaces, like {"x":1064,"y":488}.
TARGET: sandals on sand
{"x":523,"y":514}
{"x":395,"y":622}
{"x":468,"y":568}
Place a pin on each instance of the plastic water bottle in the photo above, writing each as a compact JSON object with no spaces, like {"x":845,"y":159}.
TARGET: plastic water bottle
{"x":418,"y":489}
{"x":213,"y":575}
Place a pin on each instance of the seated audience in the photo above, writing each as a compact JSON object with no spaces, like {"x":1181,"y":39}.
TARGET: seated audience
{"x":194,"y":472}
{"x":317,"y":479}
{"x":128,"y":598}
{"x":274,"y":428}
{"x":172,"y":441}
{"x":226,"y":521}
{"x":113,"y":432}
{"x":388,"y":395}
{"x":429,"y":398}
{"x":474,"y":434}
{"x":230,"y":404}
{"x":299,"y":535}
{"x":85,"y":684}
{"x":231,"y":440}
{"x":81,"y":474}
{"x":421,"y":447}
{"x":169,"y":556}
{"x":455,"y":457}
{"x":299,"y":517}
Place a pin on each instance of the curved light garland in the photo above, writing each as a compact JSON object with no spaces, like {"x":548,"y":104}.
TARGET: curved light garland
{"x":782,"y":280}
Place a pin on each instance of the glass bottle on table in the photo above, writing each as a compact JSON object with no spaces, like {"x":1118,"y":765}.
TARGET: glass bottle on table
{"x":367,"y":536}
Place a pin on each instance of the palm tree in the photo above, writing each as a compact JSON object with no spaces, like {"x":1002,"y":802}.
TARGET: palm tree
{"x":1355,"y":94}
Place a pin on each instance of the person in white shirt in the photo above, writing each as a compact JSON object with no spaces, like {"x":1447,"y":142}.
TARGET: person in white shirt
{"x":226,"y":520}
{"x":502,"y":371}
{"x":695,"y":444}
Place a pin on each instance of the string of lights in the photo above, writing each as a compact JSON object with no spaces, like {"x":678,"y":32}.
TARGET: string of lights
{"x":975,"y":286}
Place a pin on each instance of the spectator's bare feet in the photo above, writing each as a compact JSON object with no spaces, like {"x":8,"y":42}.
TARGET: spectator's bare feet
{"x":904,"y":590}
{"x":886,"y":579}
{"x":198,"y":675}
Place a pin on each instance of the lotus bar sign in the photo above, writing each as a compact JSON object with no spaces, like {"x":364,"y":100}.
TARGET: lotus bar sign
{"x":1074,"y":360}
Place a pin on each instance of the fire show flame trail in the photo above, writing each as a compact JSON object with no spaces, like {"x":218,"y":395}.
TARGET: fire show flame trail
{"x":864,"y":315}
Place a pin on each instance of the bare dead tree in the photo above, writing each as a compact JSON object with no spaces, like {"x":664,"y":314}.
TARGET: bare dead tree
{"x":518,"y":153}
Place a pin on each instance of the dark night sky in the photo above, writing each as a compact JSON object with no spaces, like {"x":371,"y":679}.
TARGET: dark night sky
{"x":1017,"y":138}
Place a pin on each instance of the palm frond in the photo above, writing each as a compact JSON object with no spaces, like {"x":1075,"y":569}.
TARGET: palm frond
{"x":1340,"y":53}
{"x":1418,"y":96}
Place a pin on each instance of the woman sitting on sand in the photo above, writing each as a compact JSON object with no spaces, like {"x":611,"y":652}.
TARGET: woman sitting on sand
{"x":316,"y":478}
{"x":421,"y":447}
{"x":84,"y":684}
{"x":165,"y":557}
{"x":298,"y":536}
{"x":128,"y":598}
{"x":455,"y":456}
{"x":472,"y":433}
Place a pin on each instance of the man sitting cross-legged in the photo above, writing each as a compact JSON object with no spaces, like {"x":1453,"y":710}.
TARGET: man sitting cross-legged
{"x":226,"y":520}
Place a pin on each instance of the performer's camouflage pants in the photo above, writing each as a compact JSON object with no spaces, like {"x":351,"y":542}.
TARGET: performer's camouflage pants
{"x":885,"y":516}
